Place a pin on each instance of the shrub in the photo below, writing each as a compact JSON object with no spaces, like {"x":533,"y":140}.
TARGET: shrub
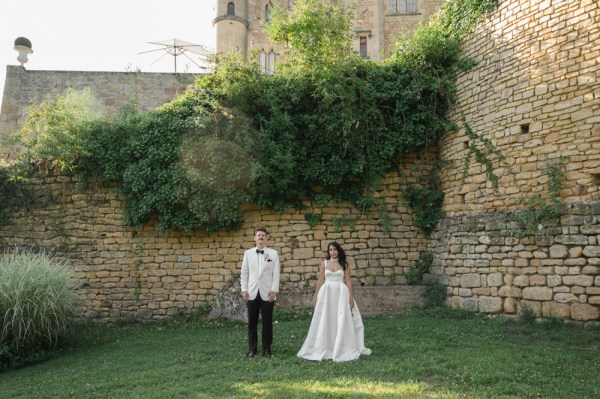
{"x":37,"y":301}
{"x":53,"y":132}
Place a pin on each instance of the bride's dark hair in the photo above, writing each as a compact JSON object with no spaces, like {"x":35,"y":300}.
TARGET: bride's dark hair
{"x":341,"y":254}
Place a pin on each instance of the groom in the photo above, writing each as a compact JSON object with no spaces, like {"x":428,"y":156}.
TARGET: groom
{"x":260,"y":285}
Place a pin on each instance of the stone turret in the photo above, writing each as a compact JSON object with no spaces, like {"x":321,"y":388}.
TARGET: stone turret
{"x":231,"y":25}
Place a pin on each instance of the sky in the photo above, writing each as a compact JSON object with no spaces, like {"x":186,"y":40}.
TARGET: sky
{"x":104,"y":35}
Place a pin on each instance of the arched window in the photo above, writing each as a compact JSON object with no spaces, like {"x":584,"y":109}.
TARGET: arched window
{"x":268,"y":12}
{"x":230,"y":9}
{"x":271,"y":62}
{"x":263,"y":62}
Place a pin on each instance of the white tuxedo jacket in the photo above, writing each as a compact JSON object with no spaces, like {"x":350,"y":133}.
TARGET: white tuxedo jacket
{"x":260,"y":278}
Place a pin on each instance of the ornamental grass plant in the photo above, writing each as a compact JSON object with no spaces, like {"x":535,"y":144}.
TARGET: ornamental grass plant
{"x":38,"y":299}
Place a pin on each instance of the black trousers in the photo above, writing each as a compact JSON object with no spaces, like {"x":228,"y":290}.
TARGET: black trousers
{"x":265,"y":308}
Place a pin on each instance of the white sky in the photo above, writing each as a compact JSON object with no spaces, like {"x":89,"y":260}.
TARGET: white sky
{"x":105,"y":35}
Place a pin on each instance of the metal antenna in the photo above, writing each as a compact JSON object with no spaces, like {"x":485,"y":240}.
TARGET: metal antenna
{"x":176,"y":47}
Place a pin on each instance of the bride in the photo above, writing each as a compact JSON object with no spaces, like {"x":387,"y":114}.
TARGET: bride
{"x":336,"y":330}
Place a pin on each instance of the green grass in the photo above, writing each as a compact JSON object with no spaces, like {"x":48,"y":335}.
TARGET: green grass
{"x":414,"y":356}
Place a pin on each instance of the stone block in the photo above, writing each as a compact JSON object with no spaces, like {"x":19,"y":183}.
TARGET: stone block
{"x":583,"y":281}
{"x":594,"y":300}
{"x":521,"y":281}
{"x":471,"y":304}
{"x":558,"y":310}
{"x":592,"y":251}
{"x":575,"y":252}
{"x":584,"y":312}
{"x":590,"y":229}
{"x":495,"y":280}
{"x":537,"y":293}
{"x":484,"y":291}
{"x":488,"y":304}
{"x":510,"y":305}
{"x":553,"y":281}
{"x":470,"y":280}
{"x":537,"y":279}
{"x":558,"y":251}
{"x":373,"y":242}
{"x":509,"y":291}
{"x":303,"y":253}
{"x":572,"y":220}
{"x":571,"y":239}
{"x":484,"y":240}
{"x":565,"y":298}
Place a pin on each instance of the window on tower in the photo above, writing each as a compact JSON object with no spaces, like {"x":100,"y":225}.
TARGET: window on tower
{"x":271,"y":62}
{"x":230,"y":9}
{"x":363,"y":46}
{"x":402,"y":6}
{"x":268,"y":12}
{"x":263,"y":62}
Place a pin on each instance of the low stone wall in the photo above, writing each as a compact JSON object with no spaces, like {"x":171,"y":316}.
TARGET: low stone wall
{"x":141,"y":273}
{"x":394,"y":299}
{"x":556,"y":274}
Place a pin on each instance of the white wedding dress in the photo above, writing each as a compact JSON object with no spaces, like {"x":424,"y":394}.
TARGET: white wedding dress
{"x":336,"y":332}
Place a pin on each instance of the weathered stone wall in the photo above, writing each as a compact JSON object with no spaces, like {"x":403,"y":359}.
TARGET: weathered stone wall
{"x":535,"y":95}
{"x":146,"y":274}
{"x":24,"y":88}
{"x":556,"y":274}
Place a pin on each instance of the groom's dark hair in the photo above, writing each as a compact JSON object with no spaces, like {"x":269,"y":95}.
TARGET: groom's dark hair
{"x":261,"y":229}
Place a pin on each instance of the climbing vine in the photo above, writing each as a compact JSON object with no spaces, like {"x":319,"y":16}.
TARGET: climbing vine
{"x":476,"y":141}
{"x":541,"y":212}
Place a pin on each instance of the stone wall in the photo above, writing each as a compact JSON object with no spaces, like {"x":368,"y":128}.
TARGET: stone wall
{"x":23,"y":88}
{"x":556,"y":274}
{"x":535,"y":94}
{"x":145,"y":274}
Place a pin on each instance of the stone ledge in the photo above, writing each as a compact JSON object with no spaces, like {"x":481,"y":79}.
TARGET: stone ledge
{"x":393,"y":299}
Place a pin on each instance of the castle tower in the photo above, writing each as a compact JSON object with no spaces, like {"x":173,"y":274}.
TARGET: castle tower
{"x":231,"y":24}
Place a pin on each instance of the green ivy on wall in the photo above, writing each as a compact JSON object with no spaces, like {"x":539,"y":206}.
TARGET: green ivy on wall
{"x":324,"y":128}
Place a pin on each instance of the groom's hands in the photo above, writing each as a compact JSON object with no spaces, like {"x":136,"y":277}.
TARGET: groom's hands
{"x":272,"y":296}
{"x":245,"y":296}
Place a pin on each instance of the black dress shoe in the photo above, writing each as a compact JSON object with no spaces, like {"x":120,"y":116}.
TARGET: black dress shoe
{"x":251,"y":354}
{"x":267,"y":353}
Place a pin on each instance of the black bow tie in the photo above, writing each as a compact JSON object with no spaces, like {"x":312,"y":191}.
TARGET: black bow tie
{"x":258,"y":251}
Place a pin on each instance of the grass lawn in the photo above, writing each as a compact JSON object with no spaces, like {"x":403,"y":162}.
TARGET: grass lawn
{"x":418,"y":355}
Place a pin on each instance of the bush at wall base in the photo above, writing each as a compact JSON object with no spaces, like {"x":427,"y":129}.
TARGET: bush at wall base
{"x":38,"y":299}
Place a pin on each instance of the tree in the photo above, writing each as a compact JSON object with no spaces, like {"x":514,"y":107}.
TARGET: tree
{"x":316,"y":34}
